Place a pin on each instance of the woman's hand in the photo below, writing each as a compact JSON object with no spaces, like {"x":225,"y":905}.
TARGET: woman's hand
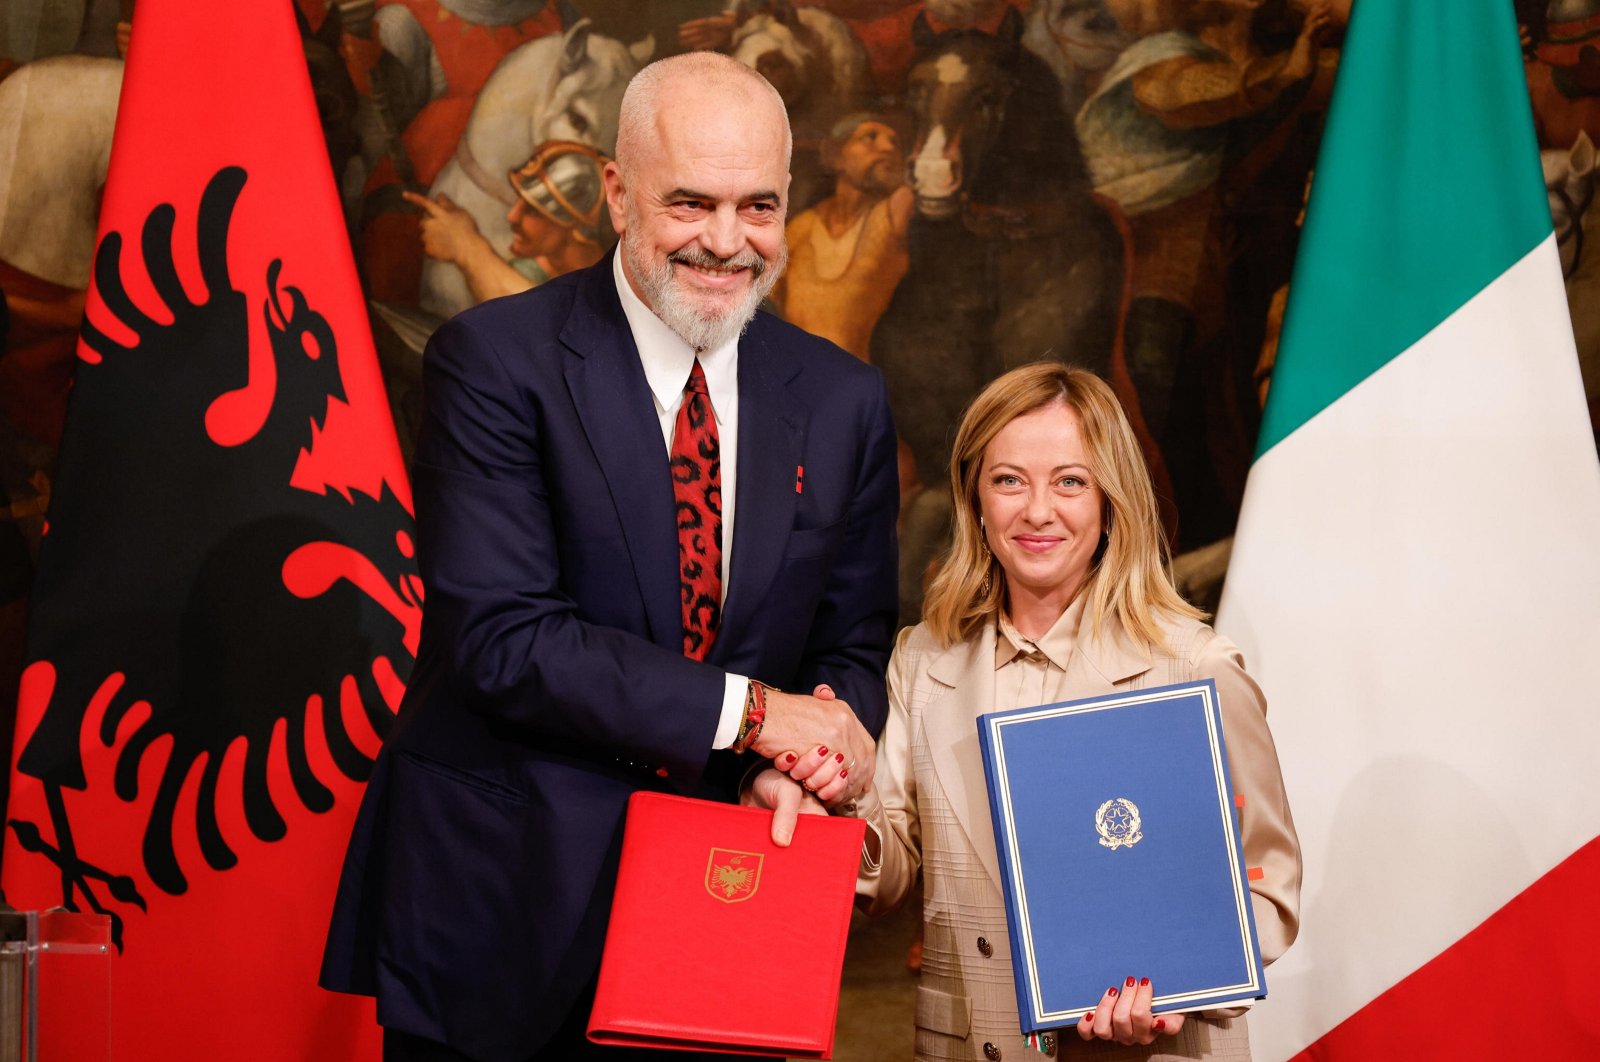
{"x":1124,"y":1015}
{"x":787,"y":800}
{"x":823,"y":772}
{"x":827,"y":726}
{"x":826,"y":772}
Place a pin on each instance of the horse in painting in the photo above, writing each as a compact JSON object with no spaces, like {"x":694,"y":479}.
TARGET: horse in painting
{"x":819,"y":68}
{"x":553,"y":88}
{"x":1011,"y":257}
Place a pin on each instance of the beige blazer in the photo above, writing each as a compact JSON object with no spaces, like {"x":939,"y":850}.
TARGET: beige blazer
{"x":930,"y":808}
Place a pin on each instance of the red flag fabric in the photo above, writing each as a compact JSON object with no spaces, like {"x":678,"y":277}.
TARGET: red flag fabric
{"x":226,"y":605}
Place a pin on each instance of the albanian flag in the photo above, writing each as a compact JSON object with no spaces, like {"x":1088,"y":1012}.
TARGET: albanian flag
{"x":227,"y":605}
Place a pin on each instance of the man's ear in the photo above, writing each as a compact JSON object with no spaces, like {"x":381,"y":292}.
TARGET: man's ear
{"x":616,"y":197}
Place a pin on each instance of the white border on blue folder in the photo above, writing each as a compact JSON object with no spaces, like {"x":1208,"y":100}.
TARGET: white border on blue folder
{"x":1024,"y":932}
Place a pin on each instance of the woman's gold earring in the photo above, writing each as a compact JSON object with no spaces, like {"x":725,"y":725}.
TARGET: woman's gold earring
{"x":988,"y":559}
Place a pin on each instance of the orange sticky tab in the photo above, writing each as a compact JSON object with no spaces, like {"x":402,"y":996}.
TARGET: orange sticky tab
{"x":1238,"y":800}
{"x":1255,"y":873}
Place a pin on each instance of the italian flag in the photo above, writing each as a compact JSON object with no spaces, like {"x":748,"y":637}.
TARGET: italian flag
{"x":1416,"y":577}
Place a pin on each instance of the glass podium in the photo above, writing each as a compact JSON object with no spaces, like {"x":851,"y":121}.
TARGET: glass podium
{"x":55,"y":986}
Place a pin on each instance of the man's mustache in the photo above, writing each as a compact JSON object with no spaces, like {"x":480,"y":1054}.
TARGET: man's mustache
{"x":700,"y":258}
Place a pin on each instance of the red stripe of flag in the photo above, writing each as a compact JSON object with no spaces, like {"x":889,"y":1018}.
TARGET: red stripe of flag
{"x":1522,"y":985}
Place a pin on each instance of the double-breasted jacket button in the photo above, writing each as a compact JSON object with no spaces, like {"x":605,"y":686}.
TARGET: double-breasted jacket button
{"x":984,"y":947}
{"x":991,"y":1052}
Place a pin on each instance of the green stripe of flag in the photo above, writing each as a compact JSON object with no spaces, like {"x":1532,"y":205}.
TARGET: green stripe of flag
{"x":1427,"y":188}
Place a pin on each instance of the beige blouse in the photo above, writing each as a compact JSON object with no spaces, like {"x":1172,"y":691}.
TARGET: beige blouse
{"x":1026,"y":672}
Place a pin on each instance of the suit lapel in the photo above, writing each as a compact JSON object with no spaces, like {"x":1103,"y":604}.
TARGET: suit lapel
{"x":612,"y":397}
{"x":770,"y":439}
{"x":1100,"y":664}
{"x":964,"y":689}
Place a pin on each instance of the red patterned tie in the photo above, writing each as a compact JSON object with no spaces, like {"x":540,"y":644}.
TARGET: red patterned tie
{"x":697,"y":488}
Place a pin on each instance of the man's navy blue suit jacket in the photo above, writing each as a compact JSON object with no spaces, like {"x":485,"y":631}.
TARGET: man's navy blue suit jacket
{"x":550,"y":683}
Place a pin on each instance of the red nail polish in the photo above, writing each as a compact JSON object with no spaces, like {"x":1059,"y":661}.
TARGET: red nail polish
{"x":1161,"y":1023}
{"x":823,"y":751}
{"x":1130,"y":983}
{"x":1144,"y":982}
{"x":1089,"y":1017}
{"x":845,"y":773}
{"x":840,"y":757}
{"x":1112,"y":992}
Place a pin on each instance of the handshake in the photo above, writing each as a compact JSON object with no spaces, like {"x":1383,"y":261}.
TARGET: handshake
{"x":835,"y":766}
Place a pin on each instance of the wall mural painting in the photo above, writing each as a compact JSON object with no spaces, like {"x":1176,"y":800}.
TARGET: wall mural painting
{"x":977,"y":184}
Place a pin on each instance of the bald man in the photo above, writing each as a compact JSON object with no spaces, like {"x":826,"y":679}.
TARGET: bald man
{"x":644,"y":509}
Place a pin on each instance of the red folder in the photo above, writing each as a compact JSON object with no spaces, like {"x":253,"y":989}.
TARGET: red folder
{"x":721,"y":941}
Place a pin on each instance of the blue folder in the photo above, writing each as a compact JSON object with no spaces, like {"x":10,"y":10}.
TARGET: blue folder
{"x":1120,"y":853}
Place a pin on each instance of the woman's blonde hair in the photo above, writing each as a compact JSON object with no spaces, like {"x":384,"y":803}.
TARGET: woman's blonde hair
{"x":1128,"y":579}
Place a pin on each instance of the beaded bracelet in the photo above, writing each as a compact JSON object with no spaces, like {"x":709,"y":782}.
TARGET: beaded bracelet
{"x":755,"y":714}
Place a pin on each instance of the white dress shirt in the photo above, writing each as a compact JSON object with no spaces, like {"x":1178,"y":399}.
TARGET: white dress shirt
{"x":667,"y":361}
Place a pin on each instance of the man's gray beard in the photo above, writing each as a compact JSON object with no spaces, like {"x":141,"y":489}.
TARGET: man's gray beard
{"x":700,"y":331}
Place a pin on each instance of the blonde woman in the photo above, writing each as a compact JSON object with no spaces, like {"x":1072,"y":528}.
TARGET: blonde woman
{"x":1055,"y":588}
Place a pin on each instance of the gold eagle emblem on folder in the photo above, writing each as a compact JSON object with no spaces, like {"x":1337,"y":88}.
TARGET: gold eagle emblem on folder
{"x":733,"y":876}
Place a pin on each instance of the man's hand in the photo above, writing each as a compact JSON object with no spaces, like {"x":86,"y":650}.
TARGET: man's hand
{"x":819,"y":741}
{"x":788,"y":801}
{"x":708,"y":34}
{"x":1303,"y":56}
{"x":448,"y":232}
